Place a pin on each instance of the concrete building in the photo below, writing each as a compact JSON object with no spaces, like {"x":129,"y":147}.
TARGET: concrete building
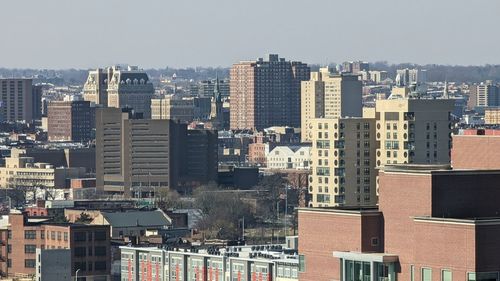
{"x":53,"y":265}
{"x":407,"y":77}
{"x":89,"y":246}
{"x":205,"y":88}
{"x":432,"y":223}
{"x":16,"y":100}
{"x":476,"y":149}
{"x":266,"y":93}
{"x":172,"y":108}
{"x":487,"y":94}
{"x":355,"y":66}
{"x":136,"y":155}
{"x":492,"y":116}
{"x":95,"y":89}
{"x":37,"y":102}
{"x":252,"y":263}
{"x":329,"y":96}
{"x":20,"y":170}
{"x":378,"y":76}
{"x":289,"y":157}
{"x":343,"y":162}
{"x":70,"y":121}
{"x":413,"y":131}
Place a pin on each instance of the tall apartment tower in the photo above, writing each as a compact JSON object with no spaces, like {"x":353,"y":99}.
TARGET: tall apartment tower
{"x":16,"y":100}
{"x":37,"y":102}
{"x":266,"y":93}
{"x":70,"y":121}
{"x":414,"y":131}
{"x":328,"y":95}
{"x":343,"y":162}
{"x":487,"y":94}
{"x":95,"y":88}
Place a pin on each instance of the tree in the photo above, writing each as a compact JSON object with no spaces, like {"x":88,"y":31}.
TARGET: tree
{"x":60,"y":218}
{"x":167,"y":199}
{"x":84,"y":218}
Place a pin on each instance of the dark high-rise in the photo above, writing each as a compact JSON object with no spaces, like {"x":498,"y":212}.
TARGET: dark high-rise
{"x":266,"y":93}
{"x":69,"y":121}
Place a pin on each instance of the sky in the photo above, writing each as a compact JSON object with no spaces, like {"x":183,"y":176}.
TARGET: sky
{"x":58,"y":34}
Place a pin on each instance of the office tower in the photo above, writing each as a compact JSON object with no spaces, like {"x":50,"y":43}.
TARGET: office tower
{"x":216,"y":112}
{"x":472,"y":101}
{"x":487,"y":94}
{"x":130,"y":88}
{"x":205,"y":88}
{"x":173,"y":108}
{"x":266,"y":93}
{"x":16,"y":100}
{"x":134,"y":155}
{"x":413,"y":131}
{"x":95,"y":88}
{"x":355,"y":66}
{"x":37,"y":102}
{"x":343,"y":162}
{"x":329,"y":95}
{"x":70,"y":121}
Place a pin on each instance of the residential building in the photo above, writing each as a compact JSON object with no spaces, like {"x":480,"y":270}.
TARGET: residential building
{"x":355,"y":66}
{"x":378,"y":76}
{"x":492,"y":116}
{"x":37,"y":102}
{"x":487,"y":94}
{"x":407,"y":77}
{"x":258,"y":262}
{"x":413,"y":131}
{"x":205,"y":88}
{"x":16,"y":100}
{"x":266,"y":93}
{"x":343,"y":162}
{"x":476,"y":149}
{"x":432,"y":223}
{"x":89,"y":244}
{"x":70,"y":121}
{"x":20,"y":170}
{"x":289,"y":157}
{"x":173,"y":108}
{"x":328,"y":95}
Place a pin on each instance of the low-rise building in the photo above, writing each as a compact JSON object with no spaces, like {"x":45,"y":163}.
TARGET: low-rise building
{"x":289,"y":157}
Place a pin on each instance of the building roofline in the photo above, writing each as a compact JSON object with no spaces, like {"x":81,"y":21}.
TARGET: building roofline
{"x":342,"y":211}
{"x":467,"y":221}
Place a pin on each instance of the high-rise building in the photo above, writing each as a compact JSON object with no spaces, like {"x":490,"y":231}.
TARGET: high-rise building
{"x":173,"y":108}
{"x":121,"y":88}
{"x":487,"y":94}
{"x":329,"y":95}
{"x":69,"y":121}
{"x":16,"y":100}
{"x":95,"y":88}
{"x":343,"y":162}
{"x":378,"y":76}
{"x":266,"y":93}
{"x":135,"y":155}
{"x":406,"y":77}
{"x":355,"y":66}
{"x":414,"y":131}
{"x":205,"y":88}
{"x":216,"y":112}
{"x":37,"y":102}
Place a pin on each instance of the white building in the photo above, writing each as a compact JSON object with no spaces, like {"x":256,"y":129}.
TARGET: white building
{"x":289,"y":157}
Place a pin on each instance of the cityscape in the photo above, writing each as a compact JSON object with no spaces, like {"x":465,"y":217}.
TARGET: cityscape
{"x":223,"y":156}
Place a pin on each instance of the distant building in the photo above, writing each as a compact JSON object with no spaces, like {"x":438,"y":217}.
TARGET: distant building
{"x":355,"y":66}
{"x":95,"y":88}
{"x":16,"y":100}
{"x":406,"y":77}
{"x":206,"y":88}
{"x":492,"y":116}
{"x":70,"y":121}
{"x":289,"y":157}
{"x":329,"y":95}
{"x":266,"y":93}
{"x":37,"y":102}
{"x":487,"y":94}
{"x":172,"y":108}
{"x":216,"y":112}
{"x":378,"y":76}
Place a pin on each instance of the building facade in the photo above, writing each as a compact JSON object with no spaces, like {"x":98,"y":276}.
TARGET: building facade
{"x":476,"y":149}
{"x":16,"y":100}
{"x":289,"y":157}
{"x":343,"y":162}
{"x":266,"y":93}
{"x":172,"y":108}
{"x":70,"y":121}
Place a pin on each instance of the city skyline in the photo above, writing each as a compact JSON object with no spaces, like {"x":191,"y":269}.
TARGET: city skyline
{"x":59,"y":35}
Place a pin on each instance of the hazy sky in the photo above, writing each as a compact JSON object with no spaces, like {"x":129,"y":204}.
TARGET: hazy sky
{"x":159,"y":33}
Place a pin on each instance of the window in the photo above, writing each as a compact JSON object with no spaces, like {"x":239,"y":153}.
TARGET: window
{"x":302,"y":263}
{"x":412,"y":273}
{"x":80,"y":252}
{"x":42,"y":234}
{"x":482,"y":276}
{"x":426,"y":274}
{"x":29,"y":263}
{"x":80,"y":236}
{"x":100,"y":251}
{"x":65,"y":236}
{"x":9,"y":248}
{"x":30,"y":234}
{"x":29,"y":249}
{"x":446,"y":275}
{"x":58,"y":235}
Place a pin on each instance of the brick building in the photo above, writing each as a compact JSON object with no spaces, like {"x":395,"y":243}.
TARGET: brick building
{"x":89,"y":244}
{"x":432,"y":223}
{"x":70,"y":121}
{"x":476,"y":149}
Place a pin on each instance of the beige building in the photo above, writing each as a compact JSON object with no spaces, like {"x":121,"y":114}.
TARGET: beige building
{"x":95,"y":88}
{"x":22,"y":171}
{"x":492,"y":116}
{"x":16,"y":100}
{"x":416,"y":131}
{"x":343,"y":162}
{"x":328,"y":95}
{"x":172,"y":108}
